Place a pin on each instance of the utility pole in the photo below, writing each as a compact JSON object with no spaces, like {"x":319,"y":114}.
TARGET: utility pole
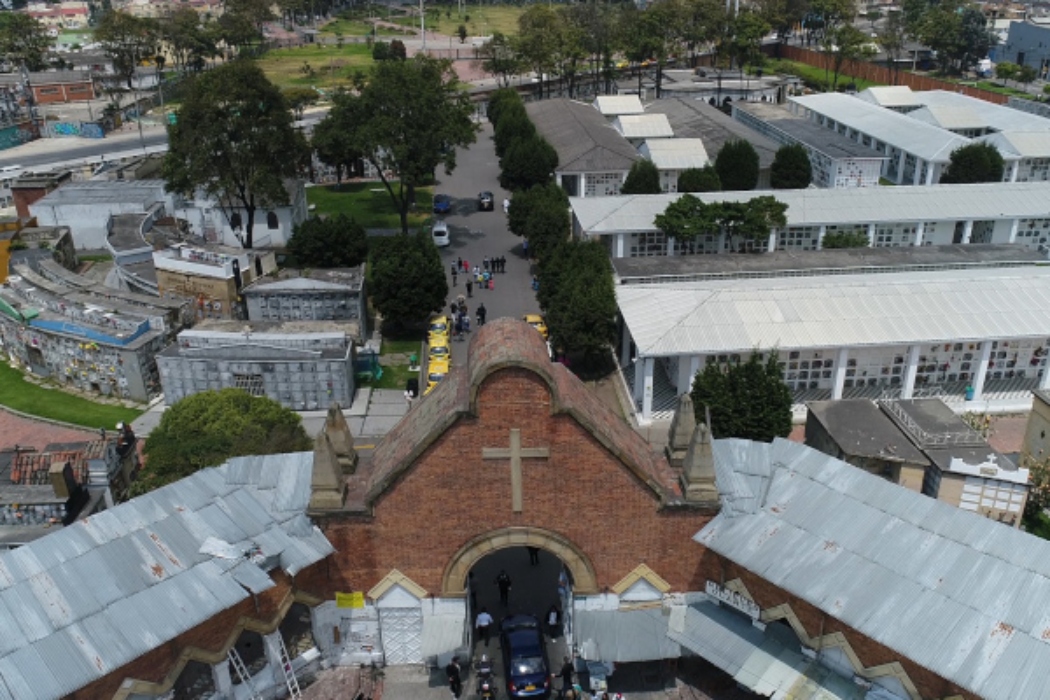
{"x":423,"y":25}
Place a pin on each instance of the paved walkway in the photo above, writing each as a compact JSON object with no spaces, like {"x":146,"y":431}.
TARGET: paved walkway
{"x":25,"y":432}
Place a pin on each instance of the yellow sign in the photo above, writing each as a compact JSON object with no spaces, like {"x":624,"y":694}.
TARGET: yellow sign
{"x":350,"y":600}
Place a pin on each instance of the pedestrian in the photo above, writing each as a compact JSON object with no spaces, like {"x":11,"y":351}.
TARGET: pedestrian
{"x":534,"y":555}
{"x":566,"y":676}
{"x":503,"y":582}
{"x":409,"y":397}
{"x":485,"y":263}
{"x":459,"y":327}
{"x":484,"y":624}
{"x":502,"y":264}
{"x":525,"y":247}
{"x":481,"y":314}
{"x":466,"y":266}
{"x":455,"y":681}
{"x":452,"y":310}
{"x":506,"y":205}
{"x":470,"y":287}
{"x":554,"y":621}
{"x":462,"y":307}
{"x":453,"y":276}
{"x":459,"y":263}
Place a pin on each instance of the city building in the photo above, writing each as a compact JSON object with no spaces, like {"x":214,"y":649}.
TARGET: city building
{"x":212,"y":277}
{"x":672,"y":156}
{"x":958,"y":323}
{"x":1027,"y":44}
{"x":696,"y":119}
{"x":1011,"y":213}
{"x":310,"y":295}
{"x":835,"y":161}
{"x":639,"y":128}
{"x":593,"y":158}
{"x":69,"y":14}
{"x":924,"y":446}
{"x":28,"y":187}
{"x":55,"y":87}
{"x":303,"y":365}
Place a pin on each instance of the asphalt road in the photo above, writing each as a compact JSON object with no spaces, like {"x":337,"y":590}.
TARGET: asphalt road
{"x":477,"y":234}
{"x":48,"y":151}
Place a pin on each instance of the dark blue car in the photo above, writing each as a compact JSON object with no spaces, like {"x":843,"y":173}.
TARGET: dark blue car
{"x":442,"y":204}
{"x":525,"y":657}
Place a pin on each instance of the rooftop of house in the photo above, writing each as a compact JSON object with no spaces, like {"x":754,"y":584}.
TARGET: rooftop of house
{"x":295,"y":280}
{"x":861,"y":429}
{"x":143,"y":193}
{"x":585,"y":141}
{"x":615,"y":105}
{"x":831,"y":144}
{"x":695,"y":118}
{"x":644,"y":126}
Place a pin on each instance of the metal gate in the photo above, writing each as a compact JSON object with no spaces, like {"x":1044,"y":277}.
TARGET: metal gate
{"x":401,"y":630}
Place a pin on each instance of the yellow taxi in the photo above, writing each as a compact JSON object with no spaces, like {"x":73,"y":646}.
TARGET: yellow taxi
{"x":439,"y":328}
{"x":439,"y":350}
{"x":537,"y":322}
{"x":435,"y":373}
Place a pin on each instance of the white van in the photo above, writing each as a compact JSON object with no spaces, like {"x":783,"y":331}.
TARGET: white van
{"x":439,"y":233}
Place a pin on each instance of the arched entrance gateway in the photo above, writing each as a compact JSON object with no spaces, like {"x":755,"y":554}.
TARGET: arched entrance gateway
{"x":510,"y":452}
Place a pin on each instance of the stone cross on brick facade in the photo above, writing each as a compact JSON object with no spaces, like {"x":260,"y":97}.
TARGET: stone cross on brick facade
{"x":515,"y":453}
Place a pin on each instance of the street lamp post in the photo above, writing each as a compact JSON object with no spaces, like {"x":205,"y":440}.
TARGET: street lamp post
{"x":423,"y":25}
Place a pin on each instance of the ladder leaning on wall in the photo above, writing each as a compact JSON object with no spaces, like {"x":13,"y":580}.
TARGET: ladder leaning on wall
{"x":281,"y":652}
{"x":242,"y":672}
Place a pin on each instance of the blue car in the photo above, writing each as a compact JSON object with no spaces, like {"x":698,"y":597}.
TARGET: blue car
{"x":442,"y":204}
{"x":525,"y":657}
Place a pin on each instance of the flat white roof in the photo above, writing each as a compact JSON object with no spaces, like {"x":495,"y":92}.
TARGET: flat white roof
{"x":1014,"y":145}
{"x":615,"y":105}
{"x":644,"y":126}
{"x":991,"y":115}
{"x":675,"y":154}
{"x":817,"y":206}
{"x":791,"y":313}
{"x":931,"y":143}
{"x":949,"y":117}
{"x":890,"y":96}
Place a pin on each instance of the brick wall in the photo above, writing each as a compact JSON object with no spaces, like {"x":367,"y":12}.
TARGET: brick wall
{"x":817,"y":623}
{"x":452,"y":495}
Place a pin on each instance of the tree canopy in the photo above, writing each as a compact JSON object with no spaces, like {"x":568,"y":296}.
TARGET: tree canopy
{"x":688,"y":217}
{"x":337,"y":241}
{"x":500,"y":58}
{"x":528,"y":162}
{"x":976,"y":162}
{"x":234,"y":140}
{"x":747,"y":399}
{"x":128,"y":40}
{"x":737,"y":166}
{"x":406,"y":278}
{"x":23,"y":41}
{"x":540,"y":214}
{"x":206,"y":429}
{"x":845,"y":239}
{"x":579,"y":299}
{"x":407,"y":118}
{"x":643,"y":178}
{"x":703,"y":179}
{"x":791,"y":168}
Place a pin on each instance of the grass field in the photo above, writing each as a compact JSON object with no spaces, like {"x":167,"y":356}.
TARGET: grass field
{"x":20,"y":395}
{"x":484,"y":20}
{"x":331,"y":66}
{"x":1001,"y":88}
{"x":356,"y":27}
{"x":813,"y":75}
{"x":394,"y":358}
{"x":368,"y":203}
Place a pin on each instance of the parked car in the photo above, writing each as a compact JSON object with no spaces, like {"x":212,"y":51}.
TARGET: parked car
{"x":485,"y":201}
{"x":442,"y":204}
{"x":439,"y":328}
{"x":537,"y":322}
{"x":524,"y":657}
{"x":438,"y":350}
{"x":439,"y":233}
{"x":436,"y":371}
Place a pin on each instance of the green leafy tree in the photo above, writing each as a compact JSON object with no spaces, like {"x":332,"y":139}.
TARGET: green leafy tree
{"x":206,"y":429}
{"x":23,"y":41}
{"x":461,"y":32}
{"x":892,"y":38}
{"x":528,"y":162}
{"x":687,"y":218}
{"x":643,"y":178}
{"x":410,"y":118}
{"x":189,"y":43}
{"x":513,"y":126}
{"x":581,"y":312}
{"x":504,"y":101}
{"x":975,"y":162}
{"x":846,"y":44}
{"x":1006,"y":71}
{"x":335,"y":144}
{"x":128,"y":41}
{"x":746,"y":399}
{"x":241,"y":24}
{"x":539,"y":36}
{"x":525,"y":203}
{"x":749,"y":28}
{"x":337,"y":241}
{"x":406,"y":278}
{"x":703,"y":179}
{"x":845,"y":239}
{"x":737,"y":166}
{"x":1038,"y":467}
{"x":1026,"y":74}
{"x":234,"y":140}
{"x":540,"y":214}
{"x":398,"y":50}
{"x":299,"y":98}
{"x":499,"y":58}
{"x":791,"y":169}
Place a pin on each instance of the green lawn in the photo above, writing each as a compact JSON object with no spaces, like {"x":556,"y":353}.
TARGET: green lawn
{"x":1001,"y":89}
{"x":331,"y":66}
{"x":356,"y":27}
{"x":368,"y":203}
{"x":20,"y":395}
{"x":394,"y":358}
{"x":814,"y":76}
{"x":484,"y":20}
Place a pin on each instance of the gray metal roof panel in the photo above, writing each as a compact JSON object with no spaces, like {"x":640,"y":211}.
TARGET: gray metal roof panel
{"x":626,"y":636}
{"x":720,"y":636}
{"x":251,"y":577}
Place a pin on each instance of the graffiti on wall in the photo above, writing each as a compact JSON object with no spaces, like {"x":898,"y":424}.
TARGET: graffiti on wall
{"x":91,"y":130}
{"x":63,"y":128}
{"x":15,"y":136}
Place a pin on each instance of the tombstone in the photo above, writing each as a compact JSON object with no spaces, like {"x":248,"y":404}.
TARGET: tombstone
{"x":327,"y":483}
{"x":338,"y":432}
{"x":698,"y":475}
{"x":682,"y":427}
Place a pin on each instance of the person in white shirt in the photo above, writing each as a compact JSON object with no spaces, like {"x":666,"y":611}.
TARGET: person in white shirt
{"x":484,"y":624}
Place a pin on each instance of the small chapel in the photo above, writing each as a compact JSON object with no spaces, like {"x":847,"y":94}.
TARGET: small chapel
{"x":794,"y":574}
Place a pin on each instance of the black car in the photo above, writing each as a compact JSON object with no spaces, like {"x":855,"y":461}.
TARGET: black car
{"x":525,"y":657}
{"x":485,"y":201}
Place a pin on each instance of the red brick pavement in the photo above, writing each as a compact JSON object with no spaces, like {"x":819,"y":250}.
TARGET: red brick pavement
{"x":15,"y":430}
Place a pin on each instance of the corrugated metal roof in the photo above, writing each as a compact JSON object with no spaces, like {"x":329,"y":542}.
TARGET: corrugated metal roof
{"x":615,"y":105}
{"x":926,"y":141}
{"x":836,"y":311}
{"x":675,"y":154}
{"x":91,"y":597}
{"x":890,"y":96}
{"x":958,"y":594}
{"x":822,"y":206}
{"x":983,"y":113}
{"x":622,"y":636}
{"x":644,"y":126}
{"x":1020,"y":144}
